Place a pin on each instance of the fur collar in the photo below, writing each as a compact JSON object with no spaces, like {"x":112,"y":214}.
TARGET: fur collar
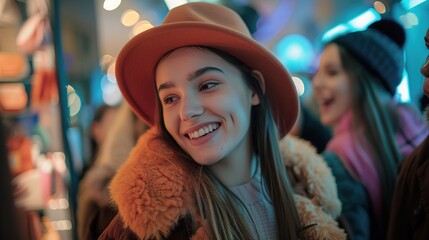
{"x":151,"y":194}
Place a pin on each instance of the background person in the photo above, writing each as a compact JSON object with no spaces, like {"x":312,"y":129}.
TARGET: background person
{"x":95,"y":210}
{"x":355,"y":86}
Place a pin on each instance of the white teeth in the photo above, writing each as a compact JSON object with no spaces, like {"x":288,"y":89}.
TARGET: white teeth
{"x":203,"y":131}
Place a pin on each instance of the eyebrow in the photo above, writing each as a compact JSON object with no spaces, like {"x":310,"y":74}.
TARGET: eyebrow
{"x":191,"y":76}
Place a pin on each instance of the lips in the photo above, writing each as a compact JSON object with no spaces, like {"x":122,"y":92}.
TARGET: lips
{"x":203,"y":131}
{"x":426,"y":87}
{"x":327,"y":102}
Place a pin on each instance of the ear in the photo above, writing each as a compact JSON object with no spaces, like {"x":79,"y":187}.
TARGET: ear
{"x":261,"y":81}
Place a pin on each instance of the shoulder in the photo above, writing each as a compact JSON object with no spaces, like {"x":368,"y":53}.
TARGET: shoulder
{"x":150,"y":189}
{"x":411,"y":195}
{"x":414,"y":169}
{"x":321,"y":205}
{"x":409,"y":114}
{"x":316,"y":222}
{"x":310,"y":168}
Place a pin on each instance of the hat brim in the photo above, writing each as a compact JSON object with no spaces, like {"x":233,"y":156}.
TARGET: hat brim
{"x":136,"y":63}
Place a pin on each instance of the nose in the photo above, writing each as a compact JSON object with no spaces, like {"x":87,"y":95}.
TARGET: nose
{"x":425,"y":68}
{"x":190,"y":108}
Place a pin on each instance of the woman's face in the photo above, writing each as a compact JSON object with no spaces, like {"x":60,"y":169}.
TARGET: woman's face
{"x":205,"y":104}
{"x":332,"y":87}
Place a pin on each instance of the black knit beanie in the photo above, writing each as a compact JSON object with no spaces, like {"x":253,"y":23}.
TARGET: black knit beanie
{"x":380,"y":49}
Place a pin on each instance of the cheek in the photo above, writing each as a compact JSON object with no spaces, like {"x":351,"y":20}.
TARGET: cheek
{"x":341,"y":86}
{"x":169,"y":123}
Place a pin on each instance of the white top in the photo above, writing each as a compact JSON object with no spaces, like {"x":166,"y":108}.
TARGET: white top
{"x":257,"y":202}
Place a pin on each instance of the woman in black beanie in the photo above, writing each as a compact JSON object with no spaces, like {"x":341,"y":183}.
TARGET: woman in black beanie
{"x":355,"y":87}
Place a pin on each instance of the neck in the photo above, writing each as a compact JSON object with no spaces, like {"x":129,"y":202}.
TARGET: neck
{"x":237,"y":168}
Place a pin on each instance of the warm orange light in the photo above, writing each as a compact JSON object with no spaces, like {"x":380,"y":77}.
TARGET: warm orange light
{"x":380,"y":7}
{"x":130,"y":17}
{"x":141,"y":26}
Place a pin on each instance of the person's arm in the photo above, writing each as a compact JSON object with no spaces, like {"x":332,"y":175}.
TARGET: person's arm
{"x":355,"y":215}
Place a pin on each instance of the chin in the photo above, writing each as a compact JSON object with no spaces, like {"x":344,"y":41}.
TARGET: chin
{"x":326,"y":121}
{"x":206,"y":160}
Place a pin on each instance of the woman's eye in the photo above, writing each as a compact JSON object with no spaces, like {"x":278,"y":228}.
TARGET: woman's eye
{"x":207,"y":85}
{"x":332,"y":72}
{"x":169,"y":99}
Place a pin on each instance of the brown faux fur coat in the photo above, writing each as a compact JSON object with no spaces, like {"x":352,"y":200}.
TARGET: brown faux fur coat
{"x":150,"y":193}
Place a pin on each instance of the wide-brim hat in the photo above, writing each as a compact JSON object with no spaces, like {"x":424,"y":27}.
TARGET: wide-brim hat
{"x":201,"y":24}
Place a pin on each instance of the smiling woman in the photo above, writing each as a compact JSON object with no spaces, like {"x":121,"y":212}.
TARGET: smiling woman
{"x":212,"y":166}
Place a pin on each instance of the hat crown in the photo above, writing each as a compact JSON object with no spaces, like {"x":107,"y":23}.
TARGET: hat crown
{"x":379,"y":53}
{"x":210,"y":14}
{"x":201,"y":24}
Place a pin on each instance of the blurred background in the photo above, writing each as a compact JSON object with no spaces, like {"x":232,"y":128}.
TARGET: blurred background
{"x":93,"y":33}
{"x":57,"y":67}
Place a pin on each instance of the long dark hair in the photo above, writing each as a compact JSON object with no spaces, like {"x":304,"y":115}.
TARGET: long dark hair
{"x":375,"y":113}
{"x":216,"y":203}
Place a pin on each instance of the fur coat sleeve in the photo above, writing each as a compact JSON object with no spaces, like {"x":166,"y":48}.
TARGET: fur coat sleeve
{"x":151,"y":195}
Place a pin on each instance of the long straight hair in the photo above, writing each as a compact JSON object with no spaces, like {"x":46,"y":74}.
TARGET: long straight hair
{"x":216,"y":204}
{"x":375,"y":113}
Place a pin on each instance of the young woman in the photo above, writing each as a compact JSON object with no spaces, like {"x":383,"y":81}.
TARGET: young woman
{"x":354,"y":85}
{"x":212,"y":166}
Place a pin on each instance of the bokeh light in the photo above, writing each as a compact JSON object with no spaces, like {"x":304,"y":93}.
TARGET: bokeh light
{"x":379,"y":7}
{"x":110,"y":5}
{"x":295,"y":52}
{"x":141,"y":27}
{"x":130,"y":17}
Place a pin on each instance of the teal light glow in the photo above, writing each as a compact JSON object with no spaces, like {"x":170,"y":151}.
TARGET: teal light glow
{"x":363,"y":20}
{"x":295,"y":52}
{"x":357,"y":23}
{"x":331,"y":33}
{"x":408,"y":4}
{"x":402,"y":92}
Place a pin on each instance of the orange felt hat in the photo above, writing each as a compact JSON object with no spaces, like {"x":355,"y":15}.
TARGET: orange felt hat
{"x":201,"y":24}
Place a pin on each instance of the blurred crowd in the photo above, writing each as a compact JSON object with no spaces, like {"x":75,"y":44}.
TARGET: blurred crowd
{"x":359,"y":160}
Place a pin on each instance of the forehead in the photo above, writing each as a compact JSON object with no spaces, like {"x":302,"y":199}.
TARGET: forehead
{"x":191,"y":52}
{"x":185,"y":60}
{"x":331,"y":54}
